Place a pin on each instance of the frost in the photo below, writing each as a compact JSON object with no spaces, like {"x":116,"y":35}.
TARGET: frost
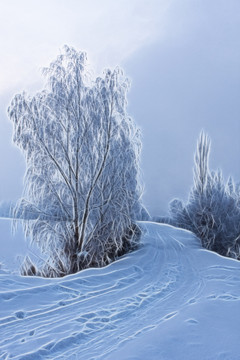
{"x":82,"y":165}
{"x":213,"y":208}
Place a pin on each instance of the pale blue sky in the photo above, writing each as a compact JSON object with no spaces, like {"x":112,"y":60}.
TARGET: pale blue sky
{"x":183,"y":57}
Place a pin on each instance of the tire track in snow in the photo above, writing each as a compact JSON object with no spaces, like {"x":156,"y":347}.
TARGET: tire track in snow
{"x":90,"y":314}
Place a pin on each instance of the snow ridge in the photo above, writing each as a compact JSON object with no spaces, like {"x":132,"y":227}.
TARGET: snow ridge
{"x":170,"y":299}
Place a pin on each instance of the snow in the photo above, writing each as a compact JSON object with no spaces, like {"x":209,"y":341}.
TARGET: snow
{"x":12,"y":244}
{"x":170,"y":299}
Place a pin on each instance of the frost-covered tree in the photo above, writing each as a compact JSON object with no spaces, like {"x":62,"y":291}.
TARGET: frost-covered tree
{"x":212,"y":211}
{"x":82,"y":166}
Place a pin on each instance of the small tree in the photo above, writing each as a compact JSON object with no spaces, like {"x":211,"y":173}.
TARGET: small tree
{"x":82,"y":164}
{"x":213,"y":208}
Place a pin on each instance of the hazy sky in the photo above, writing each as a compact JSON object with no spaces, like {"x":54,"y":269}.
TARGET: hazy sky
{"x":182,"y":56}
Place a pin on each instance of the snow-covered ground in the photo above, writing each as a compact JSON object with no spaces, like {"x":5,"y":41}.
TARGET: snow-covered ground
{"x":168,"y":300}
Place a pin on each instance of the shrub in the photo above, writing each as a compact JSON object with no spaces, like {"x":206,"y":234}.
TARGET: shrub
{"x":212,"y":211}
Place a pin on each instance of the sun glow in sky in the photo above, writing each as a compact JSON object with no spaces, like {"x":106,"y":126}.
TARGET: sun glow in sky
{"x":32,"y":32}
{"x":182,"y":58}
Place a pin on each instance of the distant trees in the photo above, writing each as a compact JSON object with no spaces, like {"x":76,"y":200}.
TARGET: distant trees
{"x":82,"y":166}
{"x":212,"y":211}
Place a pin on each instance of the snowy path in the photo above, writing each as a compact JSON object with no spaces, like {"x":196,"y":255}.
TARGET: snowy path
{"x":168,"y":300}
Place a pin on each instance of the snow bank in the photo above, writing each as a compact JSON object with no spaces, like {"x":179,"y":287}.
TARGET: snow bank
{"x":168,"y":300}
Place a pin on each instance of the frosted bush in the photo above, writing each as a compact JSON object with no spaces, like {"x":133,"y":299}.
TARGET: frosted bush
{"x":212,"y":211}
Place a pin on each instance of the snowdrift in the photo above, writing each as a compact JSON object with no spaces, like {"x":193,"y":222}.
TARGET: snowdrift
{"x":168,"y":300}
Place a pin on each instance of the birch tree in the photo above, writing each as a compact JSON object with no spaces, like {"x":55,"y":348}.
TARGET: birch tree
{"x":82,"y":166}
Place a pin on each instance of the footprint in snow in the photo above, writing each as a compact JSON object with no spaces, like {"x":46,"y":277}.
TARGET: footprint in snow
{"x":169,"y":316}
{"x":89,"y":315}
{"x":192,"y":321}
{"x":192,"y":301}
{"x":62,"y":303}
{"x":20,"y":314}
{"x":227,"y":297}
{"x":211,"y":297}
{"x":7,"y":296}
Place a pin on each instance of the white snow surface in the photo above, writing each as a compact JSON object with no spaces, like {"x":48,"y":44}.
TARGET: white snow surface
{"x":170,"y":299}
